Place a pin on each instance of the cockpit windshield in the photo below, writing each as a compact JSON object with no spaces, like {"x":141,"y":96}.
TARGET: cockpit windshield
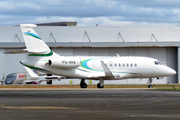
{"x":10,"y":78}
{"x":157,"y":63}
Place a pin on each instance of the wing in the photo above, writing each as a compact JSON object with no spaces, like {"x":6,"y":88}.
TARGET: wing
{"x":107,"y":72}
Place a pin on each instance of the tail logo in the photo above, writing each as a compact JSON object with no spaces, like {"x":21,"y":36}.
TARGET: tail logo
{"x":32,"y":35}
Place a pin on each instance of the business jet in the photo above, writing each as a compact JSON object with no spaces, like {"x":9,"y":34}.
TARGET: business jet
{"x":41,"y":58}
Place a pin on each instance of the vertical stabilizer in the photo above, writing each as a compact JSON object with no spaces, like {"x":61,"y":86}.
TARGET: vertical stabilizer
{"x":34,"y":44}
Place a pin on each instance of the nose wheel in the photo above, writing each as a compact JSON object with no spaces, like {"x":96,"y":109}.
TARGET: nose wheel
{"x":150,"y":86}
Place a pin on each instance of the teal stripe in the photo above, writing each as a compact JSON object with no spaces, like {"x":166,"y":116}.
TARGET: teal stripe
{"x":32,"y":35}
{"x":84,"y":64}
{"x":81,"y":70}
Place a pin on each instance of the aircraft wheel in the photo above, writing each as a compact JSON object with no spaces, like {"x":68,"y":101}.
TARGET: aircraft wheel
{"x":49,"y":82}
{"x":99,"y":86}
{"x":150,"y":86}
{"x":84,"y":85}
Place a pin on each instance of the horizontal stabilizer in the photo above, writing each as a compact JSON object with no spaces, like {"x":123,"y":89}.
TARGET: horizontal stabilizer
{"x":37,"y":51}
{"x":24,"y":51}
{"x":107,"y":72}
{"x":16,"y":51}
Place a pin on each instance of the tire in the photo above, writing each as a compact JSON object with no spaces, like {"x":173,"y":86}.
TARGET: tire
{"x":49,"y":82}
{"x":84,"y":85}
{"x":150,"y":86}
{"x":99,"y":86}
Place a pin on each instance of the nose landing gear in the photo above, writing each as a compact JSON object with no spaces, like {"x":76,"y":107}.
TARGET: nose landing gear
{"x":150,"y":80}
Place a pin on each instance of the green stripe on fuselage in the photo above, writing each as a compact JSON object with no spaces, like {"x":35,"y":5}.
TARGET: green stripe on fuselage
{"x":35,"y":68}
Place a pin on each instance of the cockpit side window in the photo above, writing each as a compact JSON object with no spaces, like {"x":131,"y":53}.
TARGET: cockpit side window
{"x":157,"y":62}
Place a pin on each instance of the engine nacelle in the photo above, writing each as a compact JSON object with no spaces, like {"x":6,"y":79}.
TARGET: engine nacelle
{"x":65,"y":62}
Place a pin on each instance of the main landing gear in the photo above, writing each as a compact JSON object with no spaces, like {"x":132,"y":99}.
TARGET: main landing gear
{"x":84,"y":85}
{"x":100,"y":84}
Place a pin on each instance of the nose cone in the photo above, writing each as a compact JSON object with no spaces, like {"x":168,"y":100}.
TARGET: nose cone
{"x":165,"y":71}
{"x":170,"y":71}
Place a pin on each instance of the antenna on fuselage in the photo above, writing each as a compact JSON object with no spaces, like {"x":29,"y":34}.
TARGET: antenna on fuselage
{"x":117,"y":54}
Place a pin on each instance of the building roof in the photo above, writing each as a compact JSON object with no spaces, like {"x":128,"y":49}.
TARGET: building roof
{"x":97,"y":36}
{"x":58,"y":24}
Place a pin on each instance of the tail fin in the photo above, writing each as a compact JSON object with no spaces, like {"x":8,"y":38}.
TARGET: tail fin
{"x":34,"y":44}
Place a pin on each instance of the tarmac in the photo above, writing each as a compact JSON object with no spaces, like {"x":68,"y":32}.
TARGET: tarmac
{"x":89,"y":104}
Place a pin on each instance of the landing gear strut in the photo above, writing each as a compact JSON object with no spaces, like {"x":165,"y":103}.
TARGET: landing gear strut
{"x":100,"y":84}
{"x":49,"y":81}
{"x":150,"y":80}
{"x":83,"y":84}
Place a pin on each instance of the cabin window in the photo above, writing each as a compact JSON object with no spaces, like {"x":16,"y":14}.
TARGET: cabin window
{"x":123,"y":65}
{"x":127,"y":65}
{"x":131,"y":65}
{"x":157,"y":63}
{"x":135,"y":65}
{"x":115,"y":64}
{"x":110,"y":65}
{"x":119,"y":65}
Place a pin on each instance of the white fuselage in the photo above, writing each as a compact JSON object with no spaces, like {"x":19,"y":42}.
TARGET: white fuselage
{"x":91,"y":67}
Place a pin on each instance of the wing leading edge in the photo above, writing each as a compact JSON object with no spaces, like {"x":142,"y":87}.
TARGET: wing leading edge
{"x":107,"y":72}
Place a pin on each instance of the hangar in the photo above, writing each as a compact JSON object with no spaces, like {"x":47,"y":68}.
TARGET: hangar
{"x":67,"y":39}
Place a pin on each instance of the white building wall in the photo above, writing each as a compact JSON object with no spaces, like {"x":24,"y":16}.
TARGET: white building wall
{"x":96,"y":34}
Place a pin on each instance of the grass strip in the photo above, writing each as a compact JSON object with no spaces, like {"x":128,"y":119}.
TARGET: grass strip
{"x":158,"y":87}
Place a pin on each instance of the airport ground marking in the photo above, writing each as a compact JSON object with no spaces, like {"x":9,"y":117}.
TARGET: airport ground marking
{"x":35,"y":107}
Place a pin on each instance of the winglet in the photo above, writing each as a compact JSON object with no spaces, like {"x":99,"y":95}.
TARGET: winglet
{"x":107,"y":72}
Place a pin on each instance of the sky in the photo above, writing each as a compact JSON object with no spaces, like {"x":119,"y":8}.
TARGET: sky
{"x":91,"y":12}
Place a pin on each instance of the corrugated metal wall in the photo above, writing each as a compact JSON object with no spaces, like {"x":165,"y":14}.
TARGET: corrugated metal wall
{"x":95,"y":34}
